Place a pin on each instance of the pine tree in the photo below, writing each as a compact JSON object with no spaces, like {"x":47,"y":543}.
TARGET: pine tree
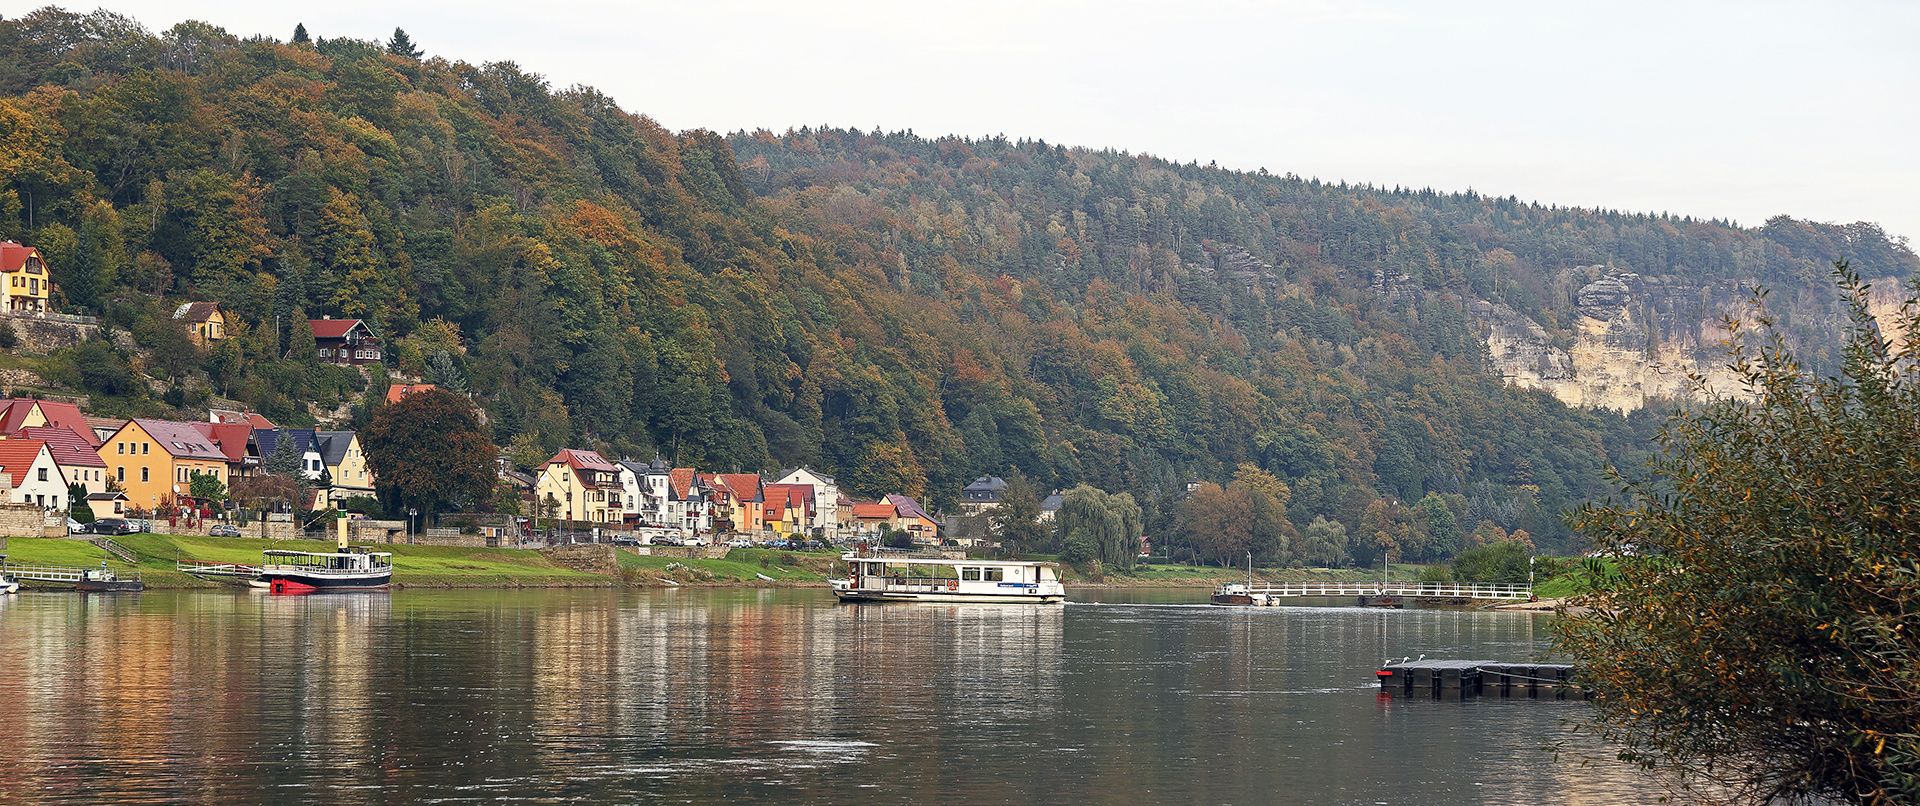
{"x":300,"y":34}
{"x":402,"y":46}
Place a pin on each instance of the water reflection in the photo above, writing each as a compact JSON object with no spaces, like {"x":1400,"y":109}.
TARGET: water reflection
{"x":777,"y":696}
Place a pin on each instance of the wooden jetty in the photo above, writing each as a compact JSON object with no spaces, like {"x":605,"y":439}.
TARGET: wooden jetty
{"x":1458,"y":679}
{"x":1370,"y":593}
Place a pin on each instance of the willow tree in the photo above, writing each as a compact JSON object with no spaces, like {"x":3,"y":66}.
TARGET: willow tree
{"x":1111,"y":523}
{"x":1755,"y":636}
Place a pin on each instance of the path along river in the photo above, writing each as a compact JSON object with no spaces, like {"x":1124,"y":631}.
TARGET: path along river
{"x":772,"y":696}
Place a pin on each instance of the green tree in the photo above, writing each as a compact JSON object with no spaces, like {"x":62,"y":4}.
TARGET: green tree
{"x":300,"y":34}
{"x":206,"y":487}
{"x":1432,"y":515}
{"x":402,"y":45}
{"x":1754,"y":638}
{"x":79,"y":509}
{"x":430,"y":451}
{"x":1111,"y":522}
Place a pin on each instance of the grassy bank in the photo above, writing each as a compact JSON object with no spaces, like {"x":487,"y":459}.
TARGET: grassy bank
{"x":413,"y":566}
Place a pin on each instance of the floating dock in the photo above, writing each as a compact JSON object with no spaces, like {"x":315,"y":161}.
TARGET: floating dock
{"x":1459,"y":679}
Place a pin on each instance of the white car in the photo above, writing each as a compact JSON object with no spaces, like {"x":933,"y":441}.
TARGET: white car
{"x":740,"y":543}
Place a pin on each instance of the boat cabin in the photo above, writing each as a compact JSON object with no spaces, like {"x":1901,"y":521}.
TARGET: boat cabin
{"x":875,"y":576}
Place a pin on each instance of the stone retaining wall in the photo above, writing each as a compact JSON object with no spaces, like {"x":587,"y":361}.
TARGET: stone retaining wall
{"x":682,"y":552}
{"x":592,"y":558}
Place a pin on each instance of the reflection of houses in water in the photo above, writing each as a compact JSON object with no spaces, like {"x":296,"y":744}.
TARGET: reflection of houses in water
{"x":330,"y":643}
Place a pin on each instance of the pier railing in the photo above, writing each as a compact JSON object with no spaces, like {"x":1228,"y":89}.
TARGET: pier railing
{"x":1408,"y":589}
{"x":204,"y":568}
{"x":57,"y":573}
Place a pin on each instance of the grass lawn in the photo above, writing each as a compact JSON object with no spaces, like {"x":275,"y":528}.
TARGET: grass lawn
{"x":413,"y":566}
{"x":741,"y":565}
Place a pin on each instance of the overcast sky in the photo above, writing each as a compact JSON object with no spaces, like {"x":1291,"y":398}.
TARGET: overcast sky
{"x":1739,"y":110}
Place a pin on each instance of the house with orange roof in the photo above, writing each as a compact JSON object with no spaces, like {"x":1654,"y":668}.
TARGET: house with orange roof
{"x":75,"y":457}
{"x":348,"y":342}
{"x":399,"y":391}
{"x":204,"y":321}
{"x":735,"y":500}
{"x":581,"y":486}
{"x":154,"y":460}
{"x":27,"y":467}
{"x":826,"y":497}
{"x":788,"y":508}
{"x":28,"y":283}
{"x":230,"y":416}
{"x":232,"y":439}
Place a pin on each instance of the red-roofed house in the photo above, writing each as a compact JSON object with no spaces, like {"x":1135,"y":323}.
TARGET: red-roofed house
{"x":787,"y":508}
{"x":155,"y":460}
{"x":735,"y":501}
{"x":345,"y":341}
{"x":78,"y":462}
{"x":582,"y":485}
{"x":27,"y":282}
{"x":914,"y":519}
{"x":28,"y":468}
{"x":231,"y":440}
{"x":399,"y":391}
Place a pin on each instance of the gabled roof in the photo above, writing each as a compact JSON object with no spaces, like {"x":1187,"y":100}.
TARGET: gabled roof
{"x":337,"y":328}
{"x":333,"y":446}
{"x":793,"y":496}
{"x":400,"y":390}
{"x":68,"y":448}
{"x":1052,"y":502}
{"x":824,"y":478}
{"x":229,"y":416}
{"x":196,"y":311}
{"x":908,"y":507}
{"x":744,"y":486}
{"x":13,"y":256}
{"x":268,"y":439}
{"x":62,"y":413}
{"x":13,"y":416}
{"x":986,"y":484}
{"x":582,"y":460}
{"x":182,"y":440}
{"x":881,"y":509}
{"x":680,"y":481}
{"x":230,"y":438}
{"x":17,"y":457}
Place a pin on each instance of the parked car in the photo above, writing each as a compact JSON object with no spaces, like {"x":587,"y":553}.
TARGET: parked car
{"x":626,"y":540}
{"x":740,"y":543}
{"x":77,"y":528}
{"x":223,"y":530}
{"x":115,"y":526}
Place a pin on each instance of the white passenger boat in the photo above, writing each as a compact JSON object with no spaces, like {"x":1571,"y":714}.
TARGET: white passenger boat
{"x":353,"y":569}
{"x":875,"y":576}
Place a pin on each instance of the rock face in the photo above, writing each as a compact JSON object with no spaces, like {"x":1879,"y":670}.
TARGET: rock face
{"x":1635,"y":338}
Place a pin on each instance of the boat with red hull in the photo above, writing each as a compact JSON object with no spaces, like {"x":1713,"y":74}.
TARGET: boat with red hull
{"x":349,"y":569}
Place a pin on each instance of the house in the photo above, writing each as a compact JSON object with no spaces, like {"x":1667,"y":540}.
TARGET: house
{"x":735,"y":501}
{"x":247,"y":418}
{"x":788,"y":508}
{"x":582,"y":487}
{"x":306,"y":443}
{"x":914,"y":519}
{"x":235,"y":442}
{"x":982,"y":495}
{"x":643,"y":491}
{"x":27,"y":283}
{"x":28,"y":467}
{"x":1049,"y":506}
{"x":205,"y":323}
{"x":103,"y":428}
{"x":345,"y":463}
{"x":871,"y":521}
{"x":515,"y":483}
{"x":826,"y":496}
{"x":399,"y":391}
{"x":689,"y":502}
{"x":78,"y":462}
{"x":154,"y":460}
{"x":22,"y":412}
{"x":106,"y":504}
{"x":348,"y":342}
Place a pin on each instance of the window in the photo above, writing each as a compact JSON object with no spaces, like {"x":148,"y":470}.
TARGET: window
{"x":180,"y":475}
{"x":120,"y":447}
{"x":993,"y":574}
{"x":144,"y":475}
{"x":43,"y":474}
{"x":144,"y":446}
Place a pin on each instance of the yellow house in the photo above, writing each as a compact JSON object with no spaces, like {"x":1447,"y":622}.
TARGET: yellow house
{"x":27,"y":284}
{"x":205,"y":323}
{"x":346,"y":464}
{"x":582,"y":486}
{"x":154,"y":460}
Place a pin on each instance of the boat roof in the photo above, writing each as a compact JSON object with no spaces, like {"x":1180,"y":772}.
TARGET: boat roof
{"x":349,"y":553}
{"x":925,"y":559}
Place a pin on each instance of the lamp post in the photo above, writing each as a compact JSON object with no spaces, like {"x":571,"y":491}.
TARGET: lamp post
{"x":411,"y":512}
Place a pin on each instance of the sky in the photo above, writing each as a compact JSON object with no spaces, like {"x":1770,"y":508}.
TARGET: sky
{"x":1731,"y":110}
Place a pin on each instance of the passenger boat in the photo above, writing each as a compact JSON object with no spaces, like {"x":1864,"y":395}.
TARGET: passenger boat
{"x":900,"y":577}
{"x":1239,"y":593}
{"x":349,"y":569}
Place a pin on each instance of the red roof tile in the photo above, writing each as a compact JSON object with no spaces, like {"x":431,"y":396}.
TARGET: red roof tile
{"x":334,"y":328}
{"x":13,"y":255}
{"x":14,"y":416}
{"x":880,"y":510}
{"x":69,"y":449}
{"x":68,"y":415}
{"x":229,"y":438}
{"x":584,"y":460}
{"x":182,"y":440}
{"x":681,"y":480}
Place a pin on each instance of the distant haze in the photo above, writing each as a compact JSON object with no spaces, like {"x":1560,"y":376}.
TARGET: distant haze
{"x":1727,"y":110}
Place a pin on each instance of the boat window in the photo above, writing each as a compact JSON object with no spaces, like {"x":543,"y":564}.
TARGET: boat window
{"x":994,"y":574}
{"x":970,"y":574}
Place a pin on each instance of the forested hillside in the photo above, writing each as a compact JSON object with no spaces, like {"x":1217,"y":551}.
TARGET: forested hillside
{"x":901,"y":312}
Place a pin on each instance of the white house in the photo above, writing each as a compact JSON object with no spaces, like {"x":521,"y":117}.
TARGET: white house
{"x":27,"y":466}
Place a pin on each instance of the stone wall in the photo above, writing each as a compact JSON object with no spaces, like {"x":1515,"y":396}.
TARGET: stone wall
{"x":592,"y":558}
{"x":439,"y":536}
{"x":23,"y":520}
{"x":44,"y":334}
{"x":682,"y":552}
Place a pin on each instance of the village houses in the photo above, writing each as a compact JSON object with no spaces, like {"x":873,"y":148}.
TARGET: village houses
{"x":27,"y":284}
{"x":30,"y":471}
{"x":154,"y":460}
{"x":579,"y":486}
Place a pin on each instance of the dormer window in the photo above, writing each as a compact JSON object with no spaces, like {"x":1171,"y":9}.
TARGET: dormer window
{"x":33,"y":265}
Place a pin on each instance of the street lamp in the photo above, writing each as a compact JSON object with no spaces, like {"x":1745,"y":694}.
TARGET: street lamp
{"x":411,"y":512}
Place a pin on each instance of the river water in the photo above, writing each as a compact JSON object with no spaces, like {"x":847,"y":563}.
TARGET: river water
{"x":772,"y":696}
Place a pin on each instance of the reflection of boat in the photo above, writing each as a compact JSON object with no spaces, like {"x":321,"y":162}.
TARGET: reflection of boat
{"x":875,"y":577}
{"x":349,"y":569}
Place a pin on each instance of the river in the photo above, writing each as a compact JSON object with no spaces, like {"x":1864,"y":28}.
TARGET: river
{"x":770,"y":696}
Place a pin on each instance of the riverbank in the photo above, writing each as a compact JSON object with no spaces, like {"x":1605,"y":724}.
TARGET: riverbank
{"x":579,"y":566}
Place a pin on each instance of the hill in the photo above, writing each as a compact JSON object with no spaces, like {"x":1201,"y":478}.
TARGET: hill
{"x":906,"y":313}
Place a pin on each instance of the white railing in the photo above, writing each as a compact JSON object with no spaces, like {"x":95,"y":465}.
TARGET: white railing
{"x":214,"y":569}
{"x":1411,"y":589}
{"x":56,"y":573}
